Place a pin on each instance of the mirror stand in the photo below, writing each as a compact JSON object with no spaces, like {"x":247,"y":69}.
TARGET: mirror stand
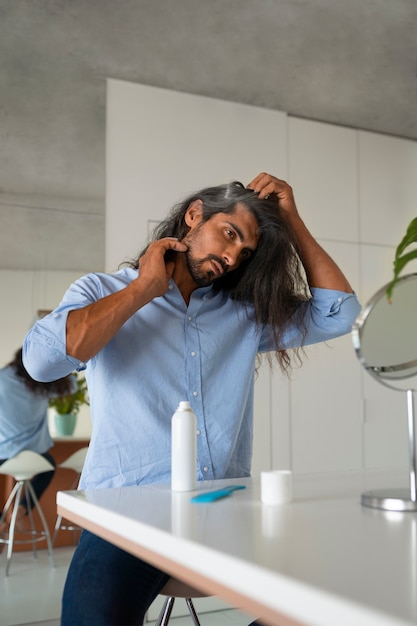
{"x":399,"y":499}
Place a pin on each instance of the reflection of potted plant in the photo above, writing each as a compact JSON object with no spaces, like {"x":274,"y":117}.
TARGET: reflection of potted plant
{"x":68,"y":407}
{"x":401,"y":259}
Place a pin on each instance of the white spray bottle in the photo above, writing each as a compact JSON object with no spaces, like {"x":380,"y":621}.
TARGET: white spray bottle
{"x":183,"y":448}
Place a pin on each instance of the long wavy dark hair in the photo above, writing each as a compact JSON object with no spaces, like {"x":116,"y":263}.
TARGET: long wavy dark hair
{"x":270,"y":283}
{"x":60,"y":387}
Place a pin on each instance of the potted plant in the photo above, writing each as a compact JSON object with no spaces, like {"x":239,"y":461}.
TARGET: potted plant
{"x":401,"y":257}
{"x":68,"y":407}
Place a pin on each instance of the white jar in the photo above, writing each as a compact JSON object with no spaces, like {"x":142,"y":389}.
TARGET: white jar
{"x":183,"y":448}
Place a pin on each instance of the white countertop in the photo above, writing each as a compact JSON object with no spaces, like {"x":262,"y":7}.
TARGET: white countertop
{"x":321,"y":560}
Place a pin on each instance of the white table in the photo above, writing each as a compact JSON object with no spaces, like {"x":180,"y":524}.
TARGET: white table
{"x":322,"y":560}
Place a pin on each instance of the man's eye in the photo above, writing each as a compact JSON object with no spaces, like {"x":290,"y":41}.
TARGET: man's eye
{"x":230,"y":233}
{"x":246,"y":254}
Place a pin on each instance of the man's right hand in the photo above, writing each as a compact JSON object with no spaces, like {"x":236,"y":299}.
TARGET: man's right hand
{"x":90,"y":328}
{"x":154,"y":270}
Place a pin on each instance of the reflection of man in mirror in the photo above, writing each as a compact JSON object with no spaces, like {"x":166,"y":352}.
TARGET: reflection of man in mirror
{"x":24,"y":423}
{"x":222,"y":282}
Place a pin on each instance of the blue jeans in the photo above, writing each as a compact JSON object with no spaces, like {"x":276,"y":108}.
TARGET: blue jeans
{"x":107,"y":586}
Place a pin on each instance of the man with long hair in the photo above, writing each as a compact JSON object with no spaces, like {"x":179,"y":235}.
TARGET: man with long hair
{"x":24,"y":421}
{"x":232,"y":273}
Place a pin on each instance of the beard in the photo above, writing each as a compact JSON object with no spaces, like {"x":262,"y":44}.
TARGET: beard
{"x":203,"y":277}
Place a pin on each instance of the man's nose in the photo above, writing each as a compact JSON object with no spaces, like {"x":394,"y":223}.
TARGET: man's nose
{"x":231,"y":257}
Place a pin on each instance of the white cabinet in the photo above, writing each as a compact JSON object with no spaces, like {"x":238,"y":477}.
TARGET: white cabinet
{"x":322,"y":168}
{"x":326,"y":396}
{"x":384,"y":409}
{"x":388,"y":202}
{"x":388,"y":187}
{"x":366,"y":193}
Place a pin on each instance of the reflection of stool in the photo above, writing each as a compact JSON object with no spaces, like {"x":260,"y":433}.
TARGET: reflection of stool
{"x":177,"y":589}
{"x":74,"y":462}
{"x":23,"y":467}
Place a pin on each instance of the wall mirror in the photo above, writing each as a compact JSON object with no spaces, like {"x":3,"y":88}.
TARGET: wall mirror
{"x":385,"y":340}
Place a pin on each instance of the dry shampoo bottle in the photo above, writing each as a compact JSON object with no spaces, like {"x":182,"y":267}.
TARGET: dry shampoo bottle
{"x":183,"y":448}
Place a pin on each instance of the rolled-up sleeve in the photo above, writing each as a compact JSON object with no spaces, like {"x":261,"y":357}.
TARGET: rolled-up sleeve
{"x":328,"y":314}
{"x":44,"y":348}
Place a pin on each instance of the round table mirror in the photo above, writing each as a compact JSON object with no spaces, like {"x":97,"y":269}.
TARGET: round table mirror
{"x":385,"y":340}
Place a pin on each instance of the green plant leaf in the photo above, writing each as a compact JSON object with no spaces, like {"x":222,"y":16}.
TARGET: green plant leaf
{"x":409,"y":238}
{"x":72,"y":402}
{"x":401,"y":260}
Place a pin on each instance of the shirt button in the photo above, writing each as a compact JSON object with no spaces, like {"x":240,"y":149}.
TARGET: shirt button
{"x":339,"y":299}
{"x":170,"y":287}
{"x":198,"y":432}
{"x":195,"y":393}
{"x":189,"y":318}
{"x":205,"y":469}
{"x":193,"y":353}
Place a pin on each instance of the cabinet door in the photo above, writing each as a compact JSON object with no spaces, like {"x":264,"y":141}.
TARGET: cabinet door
{"x":325,"y":395}
{"x":326,"y":416}
{"x":322,"y":168}
{"x":388,"y":189}
{"x":384,"y":409}
{"x":388,"y":202}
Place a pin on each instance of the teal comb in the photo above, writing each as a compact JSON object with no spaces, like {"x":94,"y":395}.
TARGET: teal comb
{"x":211,"y":496}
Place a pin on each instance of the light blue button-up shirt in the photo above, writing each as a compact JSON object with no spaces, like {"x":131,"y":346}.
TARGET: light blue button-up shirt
{"x":167,"y":352}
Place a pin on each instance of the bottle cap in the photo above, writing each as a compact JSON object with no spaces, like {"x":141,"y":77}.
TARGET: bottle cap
{"x":184,"y":405}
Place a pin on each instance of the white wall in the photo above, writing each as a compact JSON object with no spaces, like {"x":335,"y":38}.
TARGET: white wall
{"x":357,"y":192}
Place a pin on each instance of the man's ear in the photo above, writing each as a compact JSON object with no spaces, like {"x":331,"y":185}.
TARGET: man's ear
{"x":194,"y":213}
